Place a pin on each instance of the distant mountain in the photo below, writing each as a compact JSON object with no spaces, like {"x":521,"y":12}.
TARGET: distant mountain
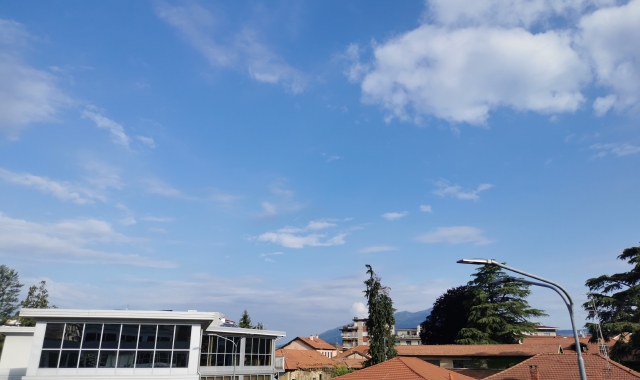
{"x":404,"y":319}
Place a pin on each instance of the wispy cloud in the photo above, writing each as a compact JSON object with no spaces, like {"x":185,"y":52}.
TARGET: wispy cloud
{"x":444,"y":189}
{"x":378,"y":248}
{"x":103,"y":176}
{"x":394,"y":215}
{"x":225,"y":199}
{"x":62,"y":190}
{"x":27,"y":95}
{"x":156,"y":186}
{"x":69,"y":239}
{"x":618,"y":149}
{"x":118,"y":135}
{"x":455,"y":235}
{"x":148,"y":141}
{"x":300,"y":237}
{"x":267,"y":256}
{"x":425,"y":208}
{"x":159,"y":219}
{"x":283,"y":200}
{"x":245,"y":50}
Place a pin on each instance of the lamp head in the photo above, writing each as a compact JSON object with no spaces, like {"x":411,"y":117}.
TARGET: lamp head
{"x":476,"y":261}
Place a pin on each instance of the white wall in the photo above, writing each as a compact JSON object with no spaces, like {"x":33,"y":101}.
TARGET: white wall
{"x":15,"y":353}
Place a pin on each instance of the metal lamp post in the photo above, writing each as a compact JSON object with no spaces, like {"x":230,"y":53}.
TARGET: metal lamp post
{"x":551,"y":285}
{"x":235,"y":348}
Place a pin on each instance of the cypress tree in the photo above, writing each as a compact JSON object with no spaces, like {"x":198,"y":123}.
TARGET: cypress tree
{"x":245,"y":320}
{"x":380,"y":322}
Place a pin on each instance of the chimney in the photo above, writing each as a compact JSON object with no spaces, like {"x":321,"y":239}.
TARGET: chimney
{"x":311,"y":337}
{"x":533,"y":370}
{"x":317,"y":337}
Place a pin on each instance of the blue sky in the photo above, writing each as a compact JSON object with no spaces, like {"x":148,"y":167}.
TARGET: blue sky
{"x":256,"y":155}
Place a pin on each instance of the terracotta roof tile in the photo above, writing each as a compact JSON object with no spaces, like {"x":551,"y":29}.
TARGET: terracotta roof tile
{"x":317,"y":343}
{"x":405,"y":369}
{"x":361,"y":349}
{"x":565,"y":367}
{"x":479,"y":350}
{"x":304,"y":359}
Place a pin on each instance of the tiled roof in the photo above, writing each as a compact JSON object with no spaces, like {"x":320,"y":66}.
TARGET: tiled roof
{"x":479,"y":350}
{"x":350,"y":363}
{"x":565,"y":367}
{"x":361,"y":349}
{"x":405,"y":369}
{"x":477,"y":373}
{"x":317,"y":343}
{"x":304,"y":359}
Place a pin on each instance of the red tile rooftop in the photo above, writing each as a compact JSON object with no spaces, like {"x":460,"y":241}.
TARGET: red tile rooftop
{"x":405,"y":369}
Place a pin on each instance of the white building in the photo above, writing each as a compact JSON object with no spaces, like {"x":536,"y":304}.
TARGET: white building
{"x":126,"y":344}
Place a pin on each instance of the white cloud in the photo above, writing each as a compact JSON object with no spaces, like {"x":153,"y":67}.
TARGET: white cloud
{"x":284,"y":201}
{"x":118,"y":135}
{"x":69,"y":240}
{"x":128,"y":221}
{"x":359,"y":309}
{"x":64,"y":191}
{"x":271,"y":254}
{"x":103,"y":176}
{"x":394,"y":215}
{"x":455,"y":235}
{"x":611,"y":37}
{"x":619,"y":149}
{"x":157,"y":219}
{"x":224,"y":198}
{"x":292,"y":240}
{"x":315,"y":225}
{"x":378,"y":248}
{"x":461,"y":75}
{"x":426,"y":208}
{"x":148,"y":141}
{"x":27,"y":95}
{"x":444,"y":189}
{"x":156,"y":186}
{"x":245,"y":51}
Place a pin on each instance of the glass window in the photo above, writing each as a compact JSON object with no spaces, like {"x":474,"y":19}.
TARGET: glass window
{"x":53,"y":335}
{"x":69,"y":359}
{"x":147,"y":338}
{"x":72,"y":335}
{"x":49,"y":359}
{"x":92,"y":334}
{"x":162,"y":359}
{"x":258,"y":352}
{"x":107,"y":359}
{"x":129,"y":336}
{"x":126,"y":359}
{"x":144,"y":359}
{"x":206,"y":346}
{"x":183,"y":337}
{"x":110,"y":336}
{"x":205,"y":360}
{"x":180,"y":359}
{"x":88,"y":359}
{"x":165,"y":337}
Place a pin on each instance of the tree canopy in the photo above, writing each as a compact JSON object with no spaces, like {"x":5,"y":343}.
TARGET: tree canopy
{"x":448,"y":316}
{"x":37,"y":298}
{"x":380,"y":321}
{"x":9,"y":290}
{"x":245,"y":320}
{"x":498,"y":312}
{"x":616,"y":298}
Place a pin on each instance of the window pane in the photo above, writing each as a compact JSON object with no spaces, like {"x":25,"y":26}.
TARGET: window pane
{"x":126,"y":359}
{"x":180,"y":358}
{"x":248,"y":344}
{"x":204,"y":348}
{"x":72,"y":335}
{"x":107,"y":359}
{"x":88,"y":359}
{"x":92,"y":334}
{"x":183,"y":337}
{"x":53,"y":335}
{"x":110,"y":336}
{"x":162,"y":359}
{"x":49,"y":359}
{"x":219,"y":360}
{"x":220,"y":346}
{"x":69,"y":359}
{"x":144,"y":359}
{"x":204,"y":360}
{"x":256,"y":345}
{"x":269,"y":343}
{"x":147,"y":339}
{"x":165,"y":337}
{"x":263,"y":346}
{"x":129,"y":337}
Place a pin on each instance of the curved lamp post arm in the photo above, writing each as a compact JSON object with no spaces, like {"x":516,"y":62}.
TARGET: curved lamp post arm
{"x":552,"y":285}
{"x":514,"y":279}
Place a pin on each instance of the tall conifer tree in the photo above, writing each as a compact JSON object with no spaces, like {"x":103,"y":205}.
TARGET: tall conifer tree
{"x":448,"y":316}
{"x":37,"y":298}
{"x":380,"y":322}
{"x":9,"y":289}
{"x":498,"y":312}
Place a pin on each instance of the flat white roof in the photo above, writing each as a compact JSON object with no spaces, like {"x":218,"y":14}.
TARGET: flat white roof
{"x":22,"y":330}
{"x":214,"y":317}
{"x":242,"y":331}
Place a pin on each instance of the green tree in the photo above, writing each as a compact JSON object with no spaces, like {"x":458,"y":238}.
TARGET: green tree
{"x":245,"y":320}
{"x":448,"y":316}
{"x":339,"y":370}
{"x":616,"y":298}
{"x":9,"y":290}
{"x":498,"y":312}
{"x":380,"y":321}
{"x":37,"y":298}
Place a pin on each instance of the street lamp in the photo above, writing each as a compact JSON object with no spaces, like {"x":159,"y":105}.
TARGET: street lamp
{"x":235,"y":348}
{"x":548,"y":284}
